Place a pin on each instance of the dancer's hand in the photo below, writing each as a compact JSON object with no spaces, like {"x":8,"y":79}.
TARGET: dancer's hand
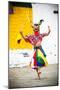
{"x":24,"y":37}
{"x":46,"y":34}
{"x":49,"y":28}
{"x":21,"y":32}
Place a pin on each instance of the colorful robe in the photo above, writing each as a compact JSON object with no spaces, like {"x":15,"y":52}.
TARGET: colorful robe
{"x":39,"y":57}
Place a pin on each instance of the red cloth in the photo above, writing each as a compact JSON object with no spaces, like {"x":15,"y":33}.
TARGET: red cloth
{"x":36,"y":33}
{"x":33,"y":39}
{"x":35,"y":62}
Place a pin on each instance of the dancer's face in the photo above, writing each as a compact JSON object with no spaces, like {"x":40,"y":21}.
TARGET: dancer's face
{"x":36,"y":27}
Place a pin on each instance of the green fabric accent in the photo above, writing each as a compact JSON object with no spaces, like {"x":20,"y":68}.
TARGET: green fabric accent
{"x":40,"y":60}
{"x":38,"y":54}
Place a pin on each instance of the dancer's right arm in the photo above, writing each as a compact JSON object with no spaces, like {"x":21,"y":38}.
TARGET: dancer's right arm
{"x":24,"y":37}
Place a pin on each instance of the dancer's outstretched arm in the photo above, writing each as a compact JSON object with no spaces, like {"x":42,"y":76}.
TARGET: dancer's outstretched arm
{"x":46,"y":34}
{"x":24,"y":37}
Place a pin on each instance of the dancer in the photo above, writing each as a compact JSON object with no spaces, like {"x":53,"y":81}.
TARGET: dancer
{"x":39,"y":57}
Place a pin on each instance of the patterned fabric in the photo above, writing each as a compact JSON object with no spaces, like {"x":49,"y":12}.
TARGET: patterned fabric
{"x":40,"y":47}
{"x":33,"y":39}
{"x":38,"y":59}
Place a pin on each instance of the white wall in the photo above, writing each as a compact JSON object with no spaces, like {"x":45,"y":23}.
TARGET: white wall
{"x":49,"y":43}
{"x":18,"y":59}
{"x":45,"y":11}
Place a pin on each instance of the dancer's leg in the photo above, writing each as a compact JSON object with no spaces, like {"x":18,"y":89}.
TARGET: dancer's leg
{"x":38,"y":72}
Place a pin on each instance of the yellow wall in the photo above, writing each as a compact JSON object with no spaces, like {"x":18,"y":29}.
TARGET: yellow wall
{"x":19,"y":21}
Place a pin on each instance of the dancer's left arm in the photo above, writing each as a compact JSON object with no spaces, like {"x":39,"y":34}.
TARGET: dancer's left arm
{"x":46,"y":34}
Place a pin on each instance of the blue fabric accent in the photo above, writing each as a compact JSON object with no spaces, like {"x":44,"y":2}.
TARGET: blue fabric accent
{"x":39,"y":64}
{"x":42,"y":51}
{"x":40,"y":47}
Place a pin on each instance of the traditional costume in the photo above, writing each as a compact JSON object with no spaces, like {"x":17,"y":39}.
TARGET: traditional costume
{"x":39,"y":57}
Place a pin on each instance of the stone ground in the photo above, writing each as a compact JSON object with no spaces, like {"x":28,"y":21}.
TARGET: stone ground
{"x":27,"y":77}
